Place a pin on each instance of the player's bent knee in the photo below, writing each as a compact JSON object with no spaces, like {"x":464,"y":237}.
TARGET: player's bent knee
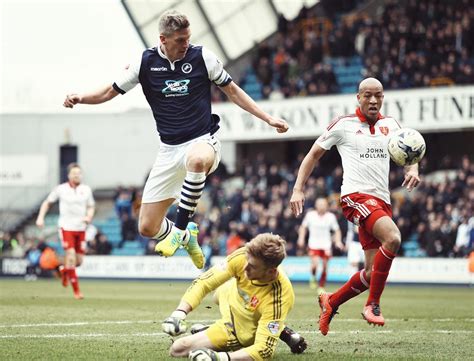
{"x":198,"y":163}
{"x":147,"y":230}
{"x":393,"y":241}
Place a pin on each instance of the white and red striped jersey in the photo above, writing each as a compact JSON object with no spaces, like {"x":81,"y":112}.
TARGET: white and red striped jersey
{"x":320,"y":228}
{"x":364,"y":154}
{"x":73,"y":204}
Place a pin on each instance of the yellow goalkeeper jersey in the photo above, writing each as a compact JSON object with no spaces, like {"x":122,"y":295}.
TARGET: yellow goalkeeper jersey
{"x":257,"y":311}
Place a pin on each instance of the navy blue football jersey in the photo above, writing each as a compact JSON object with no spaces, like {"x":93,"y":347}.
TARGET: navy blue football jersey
{"x":179,"y":92}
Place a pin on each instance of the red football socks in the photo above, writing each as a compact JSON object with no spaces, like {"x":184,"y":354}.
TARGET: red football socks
{"x":322,"y":279}
{"x":73,"y":279}
{"x":355,"y":286}
{"x":382,"y":263}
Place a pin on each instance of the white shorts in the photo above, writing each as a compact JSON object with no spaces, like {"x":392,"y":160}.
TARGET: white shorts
{"x":355,"y":253}
{"x":167,"y":175}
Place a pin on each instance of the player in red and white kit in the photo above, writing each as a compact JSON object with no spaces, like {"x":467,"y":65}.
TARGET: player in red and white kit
{"x":323,"y":230}
{"x":76,"y":209}
{"x":361,"y":140}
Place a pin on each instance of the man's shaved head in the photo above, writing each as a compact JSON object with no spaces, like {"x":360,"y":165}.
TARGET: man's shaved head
{"x":370,"y":98}
{"x":369,"y":83}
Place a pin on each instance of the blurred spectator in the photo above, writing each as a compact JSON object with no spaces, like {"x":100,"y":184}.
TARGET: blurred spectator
{"x":103,"y":245}
{"x":123,"y":203}
{"x":129,"y":228}
{"x":461,"y":247}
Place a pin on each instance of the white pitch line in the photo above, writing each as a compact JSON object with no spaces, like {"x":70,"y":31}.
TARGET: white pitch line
{"x":154,"y":334}
{"x":355,"y":332}
{"x":85,"y":323}
{"x":315,"y":318}
{"x":128,"y":322}
{"x":87,"y":335}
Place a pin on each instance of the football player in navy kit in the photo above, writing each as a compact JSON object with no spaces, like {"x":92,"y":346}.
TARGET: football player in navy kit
{"x":176,"y":79}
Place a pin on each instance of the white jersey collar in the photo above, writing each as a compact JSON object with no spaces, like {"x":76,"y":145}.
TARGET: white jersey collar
{"x":163,"y":55}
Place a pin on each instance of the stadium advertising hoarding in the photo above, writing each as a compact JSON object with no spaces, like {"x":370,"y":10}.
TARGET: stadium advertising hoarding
{"x":138,"y":267}
{"x":404,"y":270}
{"x":23,"y":170}
{"x":423,"y":109}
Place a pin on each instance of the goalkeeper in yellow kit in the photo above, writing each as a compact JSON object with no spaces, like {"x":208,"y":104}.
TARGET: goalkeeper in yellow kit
{"x":254,"y":296}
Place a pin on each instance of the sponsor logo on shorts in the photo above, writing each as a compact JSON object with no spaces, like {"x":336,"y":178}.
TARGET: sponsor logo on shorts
{"x":273,"y":327}
{"x":371,"y":202}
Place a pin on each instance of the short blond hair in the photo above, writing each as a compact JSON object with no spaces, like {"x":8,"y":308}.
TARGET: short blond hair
{"x":172,"y":21}
{"x":71,"y":166}
{"x":268,"y":247}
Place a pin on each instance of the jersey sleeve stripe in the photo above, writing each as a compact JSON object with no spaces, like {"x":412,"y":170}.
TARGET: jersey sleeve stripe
{"x":276,"y":300}
{"x":269,"y":347}
{"x":225,"y":82}
{"x":237,"y":253}
{"x":116,"y":87}
{"x":335,"y":121}
{"x":396,"y":121}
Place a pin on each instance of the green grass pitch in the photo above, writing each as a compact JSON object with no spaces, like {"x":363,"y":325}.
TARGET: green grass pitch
{"x":121,"y":320}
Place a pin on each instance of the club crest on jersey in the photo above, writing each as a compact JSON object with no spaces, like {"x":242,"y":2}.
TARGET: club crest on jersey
{"x":254,"y":302}
{"x":186,"y":68}
{"x":273,"y":327}
{"x":384,"y":130}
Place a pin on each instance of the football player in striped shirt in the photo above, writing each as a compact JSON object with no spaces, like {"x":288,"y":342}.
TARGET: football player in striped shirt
{"x":176,"y":79}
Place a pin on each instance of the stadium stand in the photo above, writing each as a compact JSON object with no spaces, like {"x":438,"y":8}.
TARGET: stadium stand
{"x":321,"y":52}
{"x":256,"y":200}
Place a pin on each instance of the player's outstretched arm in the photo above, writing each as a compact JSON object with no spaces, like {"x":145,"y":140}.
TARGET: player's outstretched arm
{"x":307,"y":166}
{"x":243,"y":100}
{"x":99,"y":96}
{"x":412,"y":177}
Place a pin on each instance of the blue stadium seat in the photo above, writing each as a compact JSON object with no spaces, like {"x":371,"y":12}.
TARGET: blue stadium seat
{"x":348,"y":72}
{"x":132,"y":245}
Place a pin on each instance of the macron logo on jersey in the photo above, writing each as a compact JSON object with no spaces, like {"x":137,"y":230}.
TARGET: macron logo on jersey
{"x":161,"y":68}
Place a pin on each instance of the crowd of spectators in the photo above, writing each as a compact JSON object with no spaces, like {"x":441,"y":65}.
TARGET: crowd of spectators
{"x":424,"y":43}
{"x":438,"y":216}
{"x":417,"y":43}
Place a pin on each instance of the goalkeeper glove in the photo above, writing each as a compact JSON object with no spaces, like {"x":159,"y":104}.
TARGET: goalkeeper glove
{"x":175,"y":324}
{"x":294,"y":340}
{"x":206,"y":354}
